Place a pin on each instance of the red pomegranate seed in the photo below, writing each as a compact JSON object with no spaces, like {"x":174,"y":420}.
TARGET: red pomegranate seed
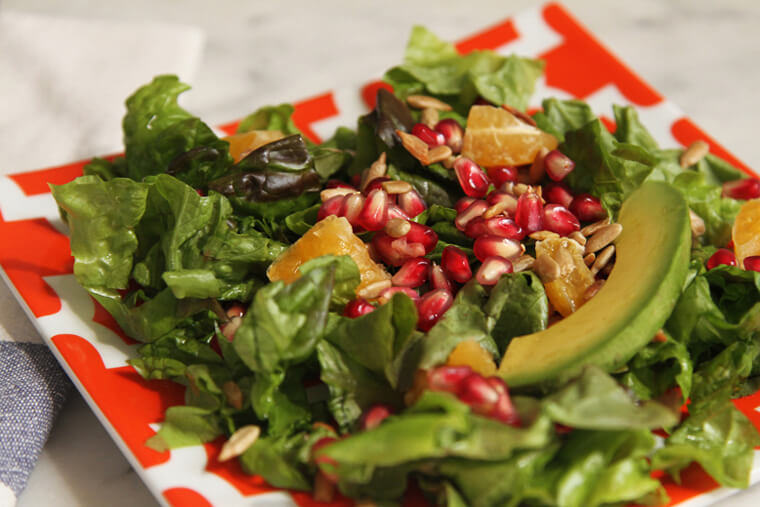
{"x":752,"y":263}
{"x":722,"y":256}
{"x":558,"y":193}
{"x":558,"y":165}
{"x":504,"y":410}
{"x":412,"y":273}
{"x":530,"y":212}
{"x":411,"y":203}
{"x":504,"y":227}
{"x":387,"y":294}
{"x":374,"y":213}
{"x":447,"y":378}
{"x":475,"y":391}
{"x":474,"y":210}
{"x":430,"y":136}
{"x":452,"y":133}
{"x":476,"y":227}
{"x":351,"y":207}
{"x":558,"y":219}
{"x":438,"y":279}
{"x":472,"y":179}
{"x":393,"y":251}
{"x":432,"y":306}
{"x":331,"y":206}
{"x":356,"y":180}
{"x":502,"y":174}
{"x":587,"y":208}
{"x":463,"y":203}
{"x":376,"y":184}
{"x":745,"y":189}
{"x":491,"y":270}
{"x":357,"y":308}
{"x":455,"y":264}
{"x":494,"y":246}
{"x":319,"y":444}
{"x":503,"y":198}
{"x":423,"y":235}
{"x":235,"y":310}
{"x":395,"y":212}
{"x":230,"y":328}
{"x":375,"y":415}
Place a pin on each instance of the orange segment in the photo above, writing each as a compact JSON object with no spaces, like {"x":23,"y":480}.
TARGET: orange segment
{"x":566,"y":292}
{"x":330,"y":236}
{"x":243,"y":144}
{"x":494,"y":136}
{"x":470,"y":353}
{"x":746,"y":231}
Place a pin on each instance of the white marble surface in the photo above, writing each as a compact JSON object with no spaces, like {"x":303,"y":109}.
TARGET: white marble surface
{"x":701,"y":54}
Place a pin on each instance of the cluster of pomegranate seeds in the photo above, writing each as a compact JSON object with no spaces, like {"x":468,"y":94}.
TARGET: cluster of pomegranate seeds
{"x":745,"y":190}
{"x":487,"y":396}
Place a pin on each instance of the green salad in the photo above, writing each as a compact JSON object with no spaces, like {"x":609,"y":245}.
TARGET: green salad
{"x":487,"y":306}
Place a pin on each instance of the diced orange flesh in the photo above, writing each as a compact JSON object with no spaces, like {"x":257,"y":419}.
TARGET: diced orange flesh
{"x":746,"y":231}
{"x":244,"y":143}
{"x":566,"y":292}
{"x":494,"y":136}
{"x":470,"y":353}
{"x":330,"y":236}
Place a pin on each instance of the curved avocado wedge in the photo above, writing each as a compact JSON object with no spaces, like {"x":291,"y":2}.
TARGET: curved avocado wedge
{"x":651,"y":264}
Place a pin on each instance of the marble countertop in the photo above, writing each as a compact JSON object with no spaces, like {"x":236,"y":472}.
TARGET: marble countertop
{"x":700,"y":54}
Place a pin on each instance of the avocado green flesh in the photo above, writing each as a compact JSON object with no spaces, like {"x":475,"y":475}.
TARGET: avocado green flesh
{"x":652,"y":258}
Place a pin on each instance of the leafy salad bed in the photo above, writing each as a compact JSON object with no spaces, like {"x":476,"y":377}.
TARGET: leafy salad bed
{"x":176,"y":234}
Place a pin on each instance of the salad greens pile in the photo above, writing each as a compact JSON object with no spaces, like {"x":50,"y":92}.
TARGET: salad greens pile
{"x":173,"y":234}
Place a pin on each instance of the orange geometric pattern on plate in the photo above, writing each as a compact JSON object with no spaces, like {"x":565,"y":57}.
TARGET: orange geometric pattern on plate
{"x":185,"y":497}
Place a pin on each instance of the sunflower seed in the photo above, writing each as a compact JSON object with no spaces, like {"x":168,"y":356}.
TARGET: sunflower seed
{"x":397,"y":227}
{"x":592,"y":228}
{"x":332,"y":192}
{"x":522,"y":263}
{"x":429,"y":117}
{"x":239,"y":442}
{"x":414,"y":145}
{"x":577,"y":237}
{"x":593,"y":289}
{"x":697,"y":224}
{"x":396,"y":186}
{"x":426,"y":101}
{"x":589,"y":259}
{"x":694,"y":153}
{"x":602,"y":259}
{"x":438,"y":154}
{"x":542,"y":235}
{"x":374,"y":289}
{"x":376,"y":170}
{"x":603,"y":237}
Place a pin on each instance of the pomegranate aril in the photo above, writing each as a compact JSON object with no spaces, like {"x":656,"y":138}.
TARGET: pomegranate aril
{"x":557,"y":193}
{"x":558,"y":165}
{"x":230,"y":328}
{"x":351,"y":207}
{"x":752,"y":263}
{"x":357,"y":308}
{"x":374,"y":213}
{"x":455,"y":264}
{"x":476,"y":227}
{"x":430,"y":136}
{"x":502,"y":174}
{"x":508,"y":201}
{"x":412,"y":273}
{"x":474,"y":210}
{"x":492,"y":269}
{"x":332,"y":206}
{"x":438,"y":279}
{"x":558,"y":219}
{"x":411,"y":203}
{"x":472,"y":179}
{"x":395,"y":212}
{"x":387,"y":294}
{"x":478,"y":394}
{"x":505,"y":411}
{"x":383,"y":247}
{"x":504,"y":227}
{"x":235,"y":310}
{"x":452,"y":133}
{"x":447,"y":378}
{"x":745,"y":189}
{"x":722,"y":256}
{"x":587,"y":208}
{"x":494,"y":246}
{"x":423,"y":235}
{"x":338,"y":184}
{"x":463,"y":203}
{"x":375,"y":415}
{"x":432,"y":306}
{"x":376,"y":184}
{"x":530,"y":212}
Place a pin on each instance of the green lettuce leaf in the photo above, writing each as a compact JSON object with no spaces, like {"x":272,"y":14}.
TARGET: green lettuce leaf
{"x":517,"y":306}
{"x":270,"y":118}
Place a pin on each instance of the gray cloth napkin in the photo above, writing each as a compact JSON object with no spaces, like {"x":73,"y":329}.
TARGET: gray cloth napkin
{"x":62,"y":88}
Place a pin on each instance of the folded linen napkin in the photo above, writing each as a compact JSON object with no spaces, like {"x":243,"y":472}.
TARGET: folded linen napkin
{"x":62,"y":88}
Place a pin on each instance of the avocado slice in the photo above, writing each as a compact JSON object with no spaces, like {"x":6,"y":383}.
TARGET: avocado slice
{"x":639,"y":295}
